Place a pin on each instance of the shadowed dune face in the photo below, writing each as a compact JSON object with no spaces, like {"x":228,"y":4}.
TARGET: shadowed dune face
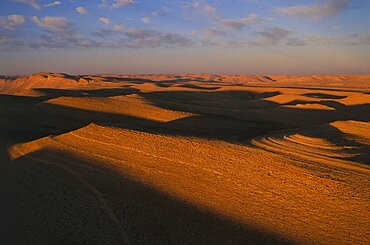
{"x":146,"y":214}
{"x":324,"y":96}
{"x":179,"y":159}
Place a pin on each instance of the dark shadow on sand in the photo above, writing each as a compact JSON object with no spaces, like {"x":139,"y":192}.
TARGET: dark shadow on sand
{"x":57,"y":208}
{"x":324,"y":96}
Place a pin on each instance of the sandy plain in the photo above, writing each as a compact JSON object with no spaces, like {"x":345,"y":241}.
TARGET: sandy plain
{"x":184,"y":159}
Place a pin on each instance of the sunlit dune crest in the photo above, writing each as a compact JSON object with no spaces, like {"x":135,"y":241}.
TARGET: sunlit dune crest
{"x":312,"y":106}
{"x":206,"y":159}
{"x":124,"y":105}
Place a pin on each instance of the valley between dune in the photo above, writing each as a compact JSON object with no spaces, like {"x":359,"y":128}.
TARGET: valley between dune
{"x":185,"y":159}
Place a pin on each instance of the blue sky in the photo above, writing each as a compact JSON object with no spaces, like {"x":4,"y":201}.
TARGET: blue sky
{"x":201,"y":36}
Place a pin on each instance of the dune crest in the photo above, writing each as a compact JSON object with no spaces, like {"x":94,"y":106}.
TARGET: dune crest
{"x":42,"y":80}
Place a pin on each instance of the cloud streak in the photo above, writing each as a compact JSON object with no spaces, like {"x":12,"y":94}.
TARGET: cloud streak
{"x":214,"y":32}
{"x":238,"y":24}
{"x":55,"y":25}
{"x":52,"y":4}
{"x":33,"y":3}
{"x":36,"y":5}
{"x":144,"y":38}
{"x":105,"y":21}
{"x":146,"y":20}
{"x":116,"y":3}
{"x":315,"y":12}
{"x":202,"y":7}
{"x":271,"y":36}
{"x":11,"y":22}
{"x":82,"y":10}
{"x":235,"y":24}
{"x":122,"y":3}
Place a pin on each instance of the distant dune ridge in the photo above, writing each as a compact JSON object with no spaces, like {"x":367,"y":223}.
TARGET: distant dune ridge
{"x":42,"y":80}
{"x":60,"y":80}
{"x":187,"y":159}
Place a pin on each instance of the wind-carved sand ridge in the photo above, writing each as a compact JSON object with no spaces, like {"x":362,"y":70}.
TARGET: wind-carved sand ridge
{"x":188,"y":159}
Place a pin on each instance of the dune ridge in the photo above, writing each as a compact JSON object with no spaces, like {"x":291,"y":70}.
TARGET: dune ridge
{"x":61,"y":80}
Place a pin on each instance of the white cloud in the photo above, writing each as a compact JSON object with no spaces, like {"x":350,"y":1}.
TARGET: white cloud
{"x":82,"y":10}
{"x":146,"y":20}
{"x":205,"y":8}
{"x":11,"y":22}
{"x":119,"y":28}
{"x":4,"y":39}
{"x":122,"y":3}
{"x":17,"y":19}
{"x":211,"y":12}
{"x":142,"y":38}
{"x":116,"y":3}
{"x":213,"y":32}
{"x":139,"y":38}
{"x":295,"y":41}
{"x":316,"y":11}
{"x":63,"y":36}
{"x":34,"y":3}
{"x":105,"y":21}
{"x":56,"y":25}
{"x":163,"y":12}
{"x":141,"y":33}
{"x":237,"y":24}
{"x":156,"y":13}
{"x":52,"y":4}
{"x":271,"y":36}
{"x":105,"y":31}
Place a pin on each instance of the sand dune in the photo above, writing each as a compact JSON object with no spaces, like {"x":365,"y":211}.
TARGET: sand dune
{"x":187,"y":159}
{"x":325,"y":145}
{"x":43,"y":80}
{"x":125,"y":105}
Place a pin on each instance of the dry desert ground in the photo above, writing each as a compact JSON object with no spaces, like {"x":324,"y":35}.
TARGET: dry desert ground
{"x":184,"y":159}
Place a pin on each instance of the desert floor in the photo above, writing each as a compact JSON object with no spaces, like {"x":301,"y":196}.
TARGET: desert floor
{"x":184,"y":159}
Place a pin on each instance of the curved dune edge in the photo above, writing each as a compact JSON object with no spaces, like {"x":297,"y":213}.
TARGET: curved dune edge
{"x":234,"y":181}
{"x":333,"y":146}
{"x":121,"y":105}
{"x":312,"y":106}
